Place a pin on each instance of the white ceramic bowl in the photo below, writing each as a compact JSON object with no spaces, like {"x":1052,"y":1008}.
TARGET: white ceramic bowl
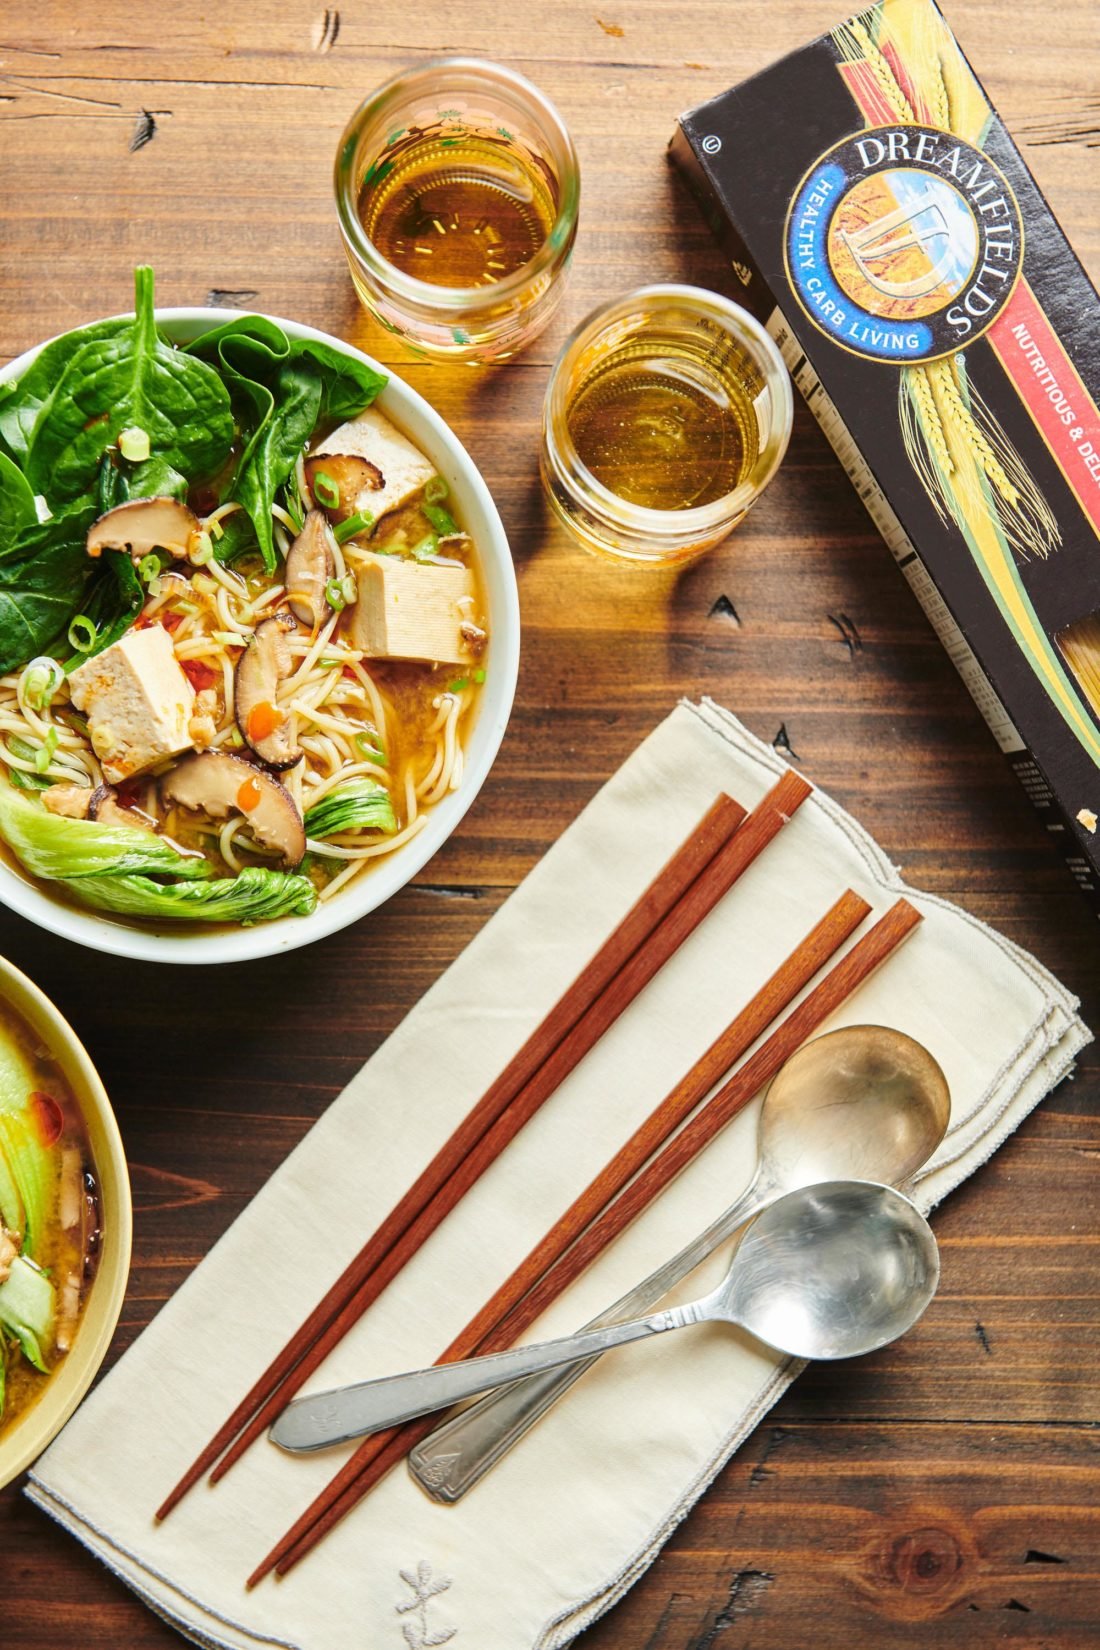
{"x":174,"y":943}
{"x":27,"y":1436}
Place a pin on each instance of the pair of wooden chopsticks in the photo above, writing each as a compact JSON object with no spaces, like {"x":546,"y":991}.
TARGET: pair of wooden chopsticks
{"x":719,"y":850}
{"x":597,"y":1217}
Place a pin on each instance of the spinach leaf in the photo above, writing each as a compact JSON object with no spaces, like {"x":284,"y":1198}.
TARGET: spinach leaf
{"x":113,"y":603}
{"x":347,"y":386}
{"x":24,"y":399}
{"x":271,"y":456}
{"x":43,"y":575}
{"x":130,"y":379}
{"x":16,"y":501}
{"x":155,"y":478}
{"x":281,"y":388}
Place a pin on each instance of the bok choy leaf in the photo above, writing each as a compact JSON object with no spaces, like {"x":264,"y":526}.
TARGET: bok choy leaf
{"x":253,"y":895}
{"x":54,"y":847}
{"x":358,"y":805}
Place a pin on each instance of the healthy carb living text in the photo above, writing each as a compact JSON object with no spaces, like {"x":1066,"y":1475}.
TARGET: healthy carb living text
{"x":946,"y":337}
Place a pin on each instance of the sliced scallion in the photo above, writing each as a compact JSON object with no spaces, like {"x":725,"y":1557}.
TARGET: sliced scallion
{"x":325,"y":490}
{"x":435,"y":490}
{"x":427,"y":548}
{"x":442,"y":520}
{"x":82,"y":634}
{"x":362,"y":522}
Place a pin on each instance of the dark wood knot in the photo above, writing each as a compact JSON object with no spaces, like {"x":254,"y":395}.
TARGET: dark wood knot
{"x":924,"y":1561}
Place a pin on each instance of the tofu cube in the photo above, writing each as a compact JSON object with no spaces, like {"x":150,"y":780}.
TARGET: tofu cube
{"x":412,"y":610}
{"x":404,"y":467}
{"x":138,"y":703}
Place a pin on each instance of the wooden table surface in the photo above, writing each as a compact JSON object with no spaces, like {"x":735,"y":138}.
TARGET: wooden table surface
{"x":945,"y":1492}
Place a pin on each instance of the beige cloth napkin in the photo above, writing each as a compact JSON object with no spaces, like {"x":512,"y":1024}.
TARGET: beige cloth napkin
{"x":562,"y":1527}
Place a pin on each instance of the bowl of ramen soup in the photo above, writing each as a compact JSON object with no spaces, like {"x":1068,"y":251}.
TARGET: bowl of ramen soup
{"x":65,"y":1222}
{"x":259,"y":634}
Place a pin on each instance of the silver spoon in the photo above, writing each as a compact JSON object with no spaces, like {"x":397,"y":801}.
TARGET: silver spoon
{"x":829,"y":1271}
{"x":864,"y":1102}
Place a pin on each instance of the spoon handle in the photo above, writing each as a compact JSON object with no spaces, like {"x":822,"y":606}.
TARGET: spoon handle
{"x":459,"y":1453}
{"x":351,"y":1411}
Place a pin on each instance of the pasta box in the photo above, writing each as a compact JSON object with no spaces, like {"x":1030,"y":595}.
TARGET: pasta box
{"x":885,"y":229}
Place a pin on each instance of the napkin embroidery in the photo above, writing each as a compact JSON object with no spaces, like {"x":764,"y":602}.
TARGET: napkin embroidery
{"x":424,"y":1589}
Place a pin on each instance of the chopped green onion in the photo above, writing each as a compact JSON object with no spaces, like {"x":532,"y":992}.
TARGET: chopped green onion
{"x":330,"y":664}
{"x":442,"y":520}
{"x":366,"y":746}
{"x":82,"y":634}
{"x":325,"y":491}
{"x":363,"y":522}
{"x":435,"y":490}
{"x":20,"y":748}
{"x":202,"y":550}
{"x":334,"y":595}
{"x":479,"y":676}
{"x":133,"y":444}
{"x":44,"y":756}
{"x":427,"y":548}
{"x":149,"y":567}
{"x":229,"y":638}
{"x":41,"y":680}
{"x":458,"y":684}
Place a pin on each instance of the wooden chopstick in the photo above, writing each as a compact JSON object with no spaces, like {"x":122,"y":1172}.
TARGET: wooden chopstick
{"x":713,"y":832}
{"x":699,"y":898}
{"x":377,"y":1454}
{"x":663,"y":897}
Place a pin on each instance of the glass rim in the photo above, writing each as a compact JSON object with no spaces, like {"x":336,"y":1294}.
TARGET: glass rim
{"x":457,"y":300}
{"x":698,"y":518}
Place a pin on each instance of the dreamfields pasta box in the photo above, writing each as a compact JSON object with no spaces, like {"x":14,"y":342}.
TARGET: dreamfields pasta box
{"x":884,"y":227}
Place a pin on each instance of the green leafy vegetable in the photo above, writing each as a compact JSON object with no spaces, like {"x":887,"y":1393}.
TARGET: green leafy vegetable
{"x":156,"y":478}
{"x":253,"y":895}
{"x":112,"y":604}
{"x":280,"y":388}
{"x":27,"y":1310}
{"x":43,"y":575}
{"x":129,"y":378}
{"x":52,"y":846}
{"x":25,"y":398}
{"x":33,"y":1168}
{"x":358,"y":805}
{"x":16,"y":501}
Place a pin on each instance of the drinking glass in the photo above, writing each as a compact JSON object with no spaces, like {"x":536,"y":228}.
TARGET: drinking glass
{"x":667,"y":414}
{"x":457,"y":190}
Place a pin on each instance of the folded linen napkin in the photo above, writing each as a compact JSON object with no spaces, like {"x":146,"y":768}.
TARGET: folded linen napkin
{"x":559,"y":1530}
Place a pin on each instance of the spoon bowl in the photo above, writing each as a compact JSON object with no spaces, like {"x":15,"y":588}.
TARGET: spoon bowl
{"x":833,"y":1270}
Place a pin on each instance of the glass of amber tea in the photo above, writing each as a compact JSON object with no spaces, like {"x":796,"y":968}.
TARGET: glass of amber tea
{"x":457,"y":190}
{"x":667,"y":414}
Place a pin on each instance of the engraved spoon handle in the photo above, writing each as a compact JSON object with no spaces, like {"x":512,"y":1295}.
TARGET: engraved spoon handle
{"x":458,"y":1453}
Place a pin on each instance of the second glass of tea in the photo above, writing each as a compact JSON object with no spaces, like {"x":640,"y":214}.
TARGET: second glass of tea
{"x":667,"y":414}
{"x":457,"y":191}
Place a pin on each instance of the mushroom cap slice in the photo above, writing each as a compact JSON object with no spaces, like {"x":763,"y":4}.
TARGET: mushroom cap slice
{"x":310,"y":564}
{"x":105,"y":808}
{"x":261,"y":667}
{"x":142,"y":525}
{"x":354,"y":479}
{"x":217,"y":783}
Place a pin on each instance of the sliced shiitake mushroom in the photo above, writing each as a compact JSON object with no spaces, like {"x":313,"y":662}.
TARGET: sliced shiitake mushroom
{"x":216,"y":783}
{"x":105,"y":808}
{"x":261,"y":667}
{"x":353,"y":478}
{"x":310,"y":564}
{"x":142,"y":525}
